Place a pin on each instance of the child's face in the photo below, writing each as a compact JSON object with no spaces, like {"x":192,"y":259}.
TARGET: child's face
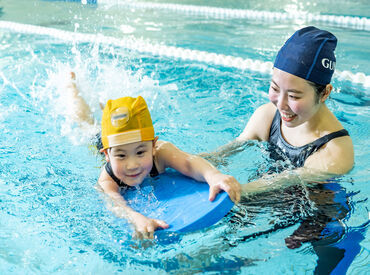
{"x":131,"y":163}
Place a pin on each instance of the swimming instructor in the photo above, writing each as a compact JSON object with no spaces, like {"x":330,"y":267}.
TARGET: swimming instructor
{"x":297,"y":121}
{"x":301,"y":129}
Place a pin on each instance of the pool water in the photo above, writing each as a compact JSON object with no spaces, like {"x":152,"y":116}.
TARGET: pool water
{"x":52,"y":218}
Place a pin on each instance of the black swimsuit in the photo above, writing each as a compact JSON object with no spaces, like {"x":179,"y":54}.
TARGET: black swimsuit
{"x":153,"y":173}
{"x":297,"y":155}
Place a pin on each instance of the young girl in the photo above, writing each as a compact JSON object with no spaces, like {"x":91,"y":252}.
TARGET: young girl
{"x":133,"y":152}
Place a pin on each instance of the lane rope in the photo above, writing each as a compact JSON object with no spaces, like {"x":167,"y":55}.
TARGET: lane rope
{"x":143,"y":46}
{"x":352,"y":22}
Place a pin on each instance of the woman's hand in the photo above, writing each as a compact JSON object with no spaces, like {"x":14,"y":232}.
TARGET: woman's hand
{"x":144,"y":226}
{"x":218,"y":181}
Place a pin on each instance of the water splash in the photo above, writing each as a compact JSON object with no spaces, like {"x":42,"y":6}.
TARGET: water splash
{"x":102,"y":73}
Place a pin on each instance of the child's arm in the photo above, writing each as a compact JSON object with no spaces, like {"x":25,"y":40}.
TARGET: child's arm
{"x":144,"y":226}
{"x":168,"y":155}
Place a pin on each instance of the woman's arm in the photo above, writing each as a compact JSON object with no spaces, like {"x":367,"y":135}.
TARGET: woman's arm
{"x":322,"y":165}
{"x":220,"y":155}
{"x":285,"y":179}
{"x":168,"y":155}
{"x":257,"y":128}
{"x":335,"y":157}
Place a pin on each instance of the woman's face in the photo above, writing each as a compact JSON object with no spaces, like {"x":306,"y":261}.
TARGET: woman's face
{"x":294,"y":97}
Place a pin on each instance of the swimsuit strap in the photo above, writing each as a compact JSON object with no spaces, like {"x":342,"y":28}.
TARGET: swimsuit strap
{"x":108,"y":168}
{"x":318,"y":143}
{"x":297,"y":155}
{"x":154,"y":172}
{"x":314,"y":146}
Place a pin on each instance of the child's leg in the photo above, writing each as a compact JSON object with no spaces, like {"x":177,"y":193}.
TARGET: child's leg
{"x":80,"y":111}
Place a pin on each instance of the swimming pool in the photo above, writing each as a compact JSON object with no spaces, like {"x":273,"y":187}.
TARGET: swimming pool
{"x":53,"y":220}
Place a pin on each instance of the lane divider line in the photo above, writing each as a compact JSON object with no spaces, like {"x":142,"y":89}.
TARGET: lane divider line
{"x":144,"y":46}
{"x":352,"y":22}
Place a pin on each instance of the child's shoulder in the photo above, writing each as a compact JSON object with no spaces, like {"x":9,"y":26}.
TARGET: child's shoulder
{"x":163,"y":149}
{"x":162,"y":145}
{"x":105,"y":179}
{"x":103,"y":175}
{"x":164,"y":152}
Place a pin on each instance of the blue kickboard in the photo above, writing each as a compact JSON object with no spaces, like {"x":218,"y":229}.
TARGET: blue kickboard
{"x":178,"y":200}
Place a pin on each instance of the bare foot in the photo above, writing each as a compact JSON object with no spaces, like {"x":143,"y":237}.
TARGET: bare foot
{"x":101,"y":106}
{"x":79,"y":110}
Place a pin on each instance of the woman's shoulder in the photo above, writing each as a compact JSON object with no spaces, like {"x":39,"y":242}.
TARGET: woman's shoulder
{"x":336,"y":156}
{"x":267,"y":108}
{"x":258,"y":126}
{"x":264,"y":113}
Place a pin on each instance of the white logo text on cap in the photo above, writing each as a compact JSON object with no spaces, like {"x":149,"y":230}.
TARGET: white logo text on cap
{"x":328,"y":64}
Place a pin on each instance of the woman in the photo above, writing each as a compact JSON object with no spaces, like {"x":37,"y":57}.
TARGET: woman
{"x":297,"y":121}
{"x":299,"y":127}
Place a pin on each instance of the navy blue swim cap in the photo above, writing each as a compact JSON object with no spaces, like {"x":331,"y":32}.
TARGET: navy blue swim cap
{"x":309,"y":54}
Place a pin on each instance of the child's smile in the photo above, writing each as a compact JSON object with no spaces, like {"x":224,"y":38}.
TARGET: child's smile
{"x":131,"y":163}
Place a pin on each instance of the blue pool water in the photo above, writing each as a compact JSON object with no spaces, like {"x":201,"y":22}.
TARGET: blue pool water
{"x":52,"y":218}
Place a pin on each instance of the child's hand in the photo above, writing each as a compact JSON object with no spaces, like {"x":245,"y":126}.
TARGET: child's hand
{"x":145,"y":227}
{"x":224,"y":182}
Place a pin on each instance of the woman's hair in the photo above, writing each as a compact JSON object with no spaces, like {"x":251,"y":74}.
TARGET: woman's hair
{"x":319,"y":89}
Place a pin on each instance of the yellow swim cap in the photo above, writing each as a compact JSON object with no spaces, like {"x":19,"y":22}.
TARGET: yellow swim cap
{"x":126,"y":120}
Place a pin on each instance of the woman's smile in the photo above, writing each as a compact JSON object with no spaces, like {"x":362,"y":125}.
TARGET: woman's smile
{"x":287,"y":117}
